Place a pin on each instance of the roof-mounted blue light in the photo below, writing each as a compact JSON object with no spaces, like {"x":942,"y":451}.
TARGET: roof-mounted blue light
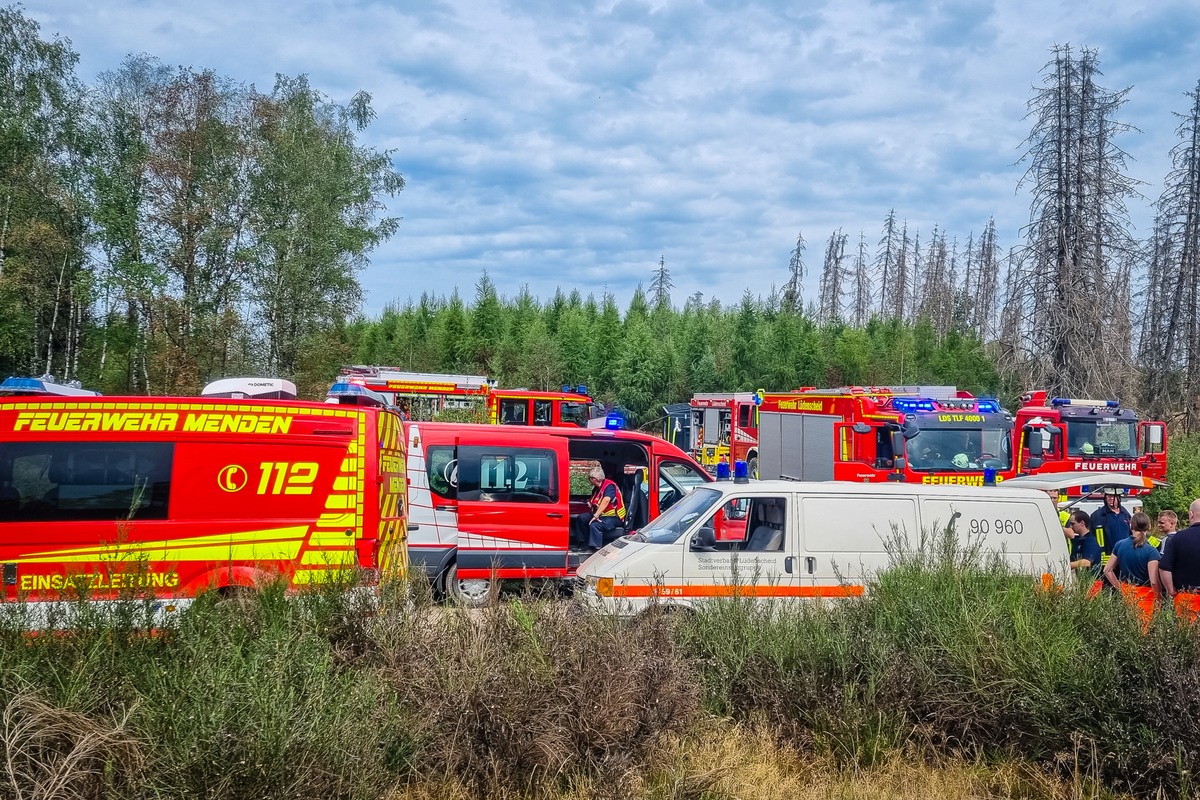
{"x":988,"y":407}
{"x":581,"y":388}
{"x":568,"y":387}
{"x":614,"y":422}
{"x":910,"y":405}
{"x":1113,"y":404}
{"x":723,"y":470}
{"x":1061,"y":401}
{"x":44,"y":386}
{"x":741,"y":472}
{"x":354,"y":394}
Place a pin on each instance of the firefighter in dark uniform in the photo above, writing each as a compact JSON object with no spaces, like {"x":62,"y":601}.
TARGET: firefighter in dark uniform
{"x":1110,"y":522}
{"x":1085,"y":552}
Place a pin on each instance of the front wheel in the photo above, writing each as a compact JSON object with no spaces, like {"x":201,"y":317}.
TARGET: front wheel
{"x":471,"y":592}
{"x":752,"y":466}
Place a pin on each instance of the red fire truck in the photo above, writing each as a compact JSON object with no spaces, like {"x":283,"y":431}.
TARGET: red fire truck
{"x":116,"y":496}
{"x":725,"y":429}
{"x":422,"y":394}
{"x":1089,"y":436}
{"x":921,"y":434}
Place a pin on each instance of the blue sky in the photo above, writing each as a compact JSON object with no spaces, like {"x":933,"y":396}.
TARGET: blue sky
{"x":565,"y":143}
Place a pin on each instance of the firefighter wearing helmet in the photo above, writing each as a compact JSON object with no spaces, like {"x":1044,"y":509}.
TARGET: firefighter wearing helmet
{"x":1110,"y":522}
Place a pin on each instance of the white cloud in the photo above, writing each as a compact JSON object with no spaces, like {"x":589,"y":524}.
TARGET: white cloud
{"x":573,"y":143}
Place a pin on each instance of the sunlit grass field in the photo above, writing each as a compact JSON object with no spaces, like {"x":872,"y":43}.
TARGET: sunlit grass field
{"x":951,"y":678}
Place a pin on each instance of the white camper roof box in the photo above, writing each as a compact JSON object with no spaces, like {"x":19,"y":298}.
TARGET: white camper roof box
{"x":251,"y":389}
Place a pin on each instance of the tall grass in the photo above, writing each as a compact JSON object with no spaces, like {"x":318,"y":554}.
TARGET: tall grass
{"x":950,"y":675}
{"x":953,"y":656}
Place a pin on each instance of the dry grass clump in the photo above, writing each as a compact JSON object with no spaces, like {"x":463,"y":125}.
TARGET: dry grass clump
{"x":721,"y":760}
{"x":531,"y":693}
{"x":50,"y":752}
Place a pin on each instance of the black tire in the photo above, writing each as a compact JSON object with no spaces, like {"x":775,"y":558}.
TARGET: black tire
{"x":471,"y":593}
{"x":752,"y":466}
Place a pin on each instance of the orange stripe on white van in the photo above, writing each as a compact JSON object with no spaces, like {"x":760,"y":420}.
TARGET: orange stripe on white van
{"x":726,"y":590}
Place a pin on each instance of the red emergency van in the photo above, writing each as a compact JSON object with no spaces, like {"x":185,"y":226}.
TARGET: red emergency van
{"x":490,"y":501}
{"x":107,"y":496}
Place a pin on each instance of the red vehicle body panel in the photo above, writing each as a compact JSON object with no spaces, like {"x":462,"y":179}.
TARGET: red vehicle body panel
{"x":176,"y":495}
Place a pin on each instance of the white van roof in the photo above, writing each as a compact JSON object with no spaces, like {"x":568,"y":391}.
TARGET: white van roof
{"x":1095,"y":480}
{"x":891,"y":488}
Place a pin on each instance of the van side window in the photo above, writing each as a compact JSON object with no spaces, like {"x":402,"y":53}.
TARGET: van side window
{"x":750,"y":524}
{"x":543,"y":411}
{"x":75,"y":481}
{"x":744,"y":415}
{"x":442,"y":468}
{"x":507,"y":474}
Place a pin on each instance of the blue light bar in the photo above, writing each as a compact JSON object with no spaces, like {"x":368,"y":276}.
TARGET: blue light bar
{"x":354,"y":394}
{"x":24,"y":386}
{"x":1061,"y":401}
{"x":581,"y":388}
{"x":988,"y":406}
{"x":43,"y":386}
{"x":568,"y":387}
{"x":1113,"y":404}
{"x":909,"y":405}
{"x":614,"y":422}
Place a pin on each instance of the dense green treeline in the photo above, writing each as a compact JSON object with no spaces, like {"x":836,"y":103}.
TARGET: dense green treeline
{"x":646,"y":355}
{"x":165,"y":226}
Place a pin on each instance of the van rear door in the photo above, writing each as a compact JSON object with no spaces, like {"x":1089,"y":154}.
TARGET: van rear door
{"x":513,"y":513}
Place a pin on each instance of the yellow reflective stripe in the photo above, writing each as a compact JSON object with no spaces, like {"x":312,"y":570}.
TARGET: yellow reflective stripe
{"x":262,"y":545}
{"x":331,"y":557}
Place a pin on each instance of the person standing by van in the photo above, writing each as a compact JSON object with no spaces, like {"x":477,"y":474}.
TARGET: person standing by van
{"x":1085,"y":550}
{"x":1168,"y":523}
{"x":1180,"y":564}
{"x":607,"y":509}
{"x":1110,"y":522}
{"x":1134,"y":560}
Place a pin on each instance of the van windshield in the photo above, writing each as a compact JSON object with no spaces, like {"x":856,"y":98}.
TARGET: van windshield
{"x":679,"y":517}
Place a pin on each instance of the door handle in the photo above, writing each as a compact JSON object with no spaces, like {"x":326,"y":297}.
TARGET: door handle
{"x":554,"y":515}
{"x":445,"y":508}
{"x":787,"y":565}
{"x":810,"y":565}
{"x":412,"y":527}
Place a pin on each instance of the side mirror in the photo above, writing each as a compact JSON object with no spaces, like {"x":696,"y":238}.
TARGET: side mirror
{"x":704,"y":541}
{"x":910,"y":429}
{"x":1156,"y":438}
{"x":1034,"y":440}
{"x":1035,"y":462}
{"x":861,"y":427}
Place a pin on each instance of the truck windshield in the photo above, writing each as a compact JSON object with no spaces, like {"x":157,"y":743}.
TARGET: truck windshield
{"x":576,"y":413}
{"x":1101,"y":437}
{"x":678,"y":518}
{"x":959,"y":449}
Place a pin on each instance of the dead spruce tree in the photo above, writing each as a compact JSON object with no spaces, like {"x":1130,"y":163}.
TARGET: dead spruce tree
{"x":1078,"y":244}
{"x":1170,"y":335}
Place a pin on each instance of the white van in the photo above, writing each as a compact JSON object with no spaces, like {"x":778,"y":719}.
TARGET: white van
{"x":808,"y":540}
